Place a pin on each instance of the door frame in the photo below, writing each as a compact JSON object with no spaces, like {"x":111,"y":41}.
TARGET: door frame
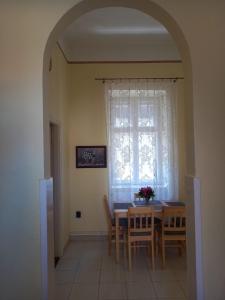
{"x":55,"y":169}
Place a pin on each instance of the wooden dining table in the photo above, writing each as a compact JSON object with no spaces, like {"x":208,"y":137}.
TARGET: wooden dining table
{"x":121,"y":209}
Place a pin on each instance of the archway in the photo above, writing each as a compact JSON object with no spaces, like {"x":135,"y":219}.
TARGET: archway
{"x":163,"y":17}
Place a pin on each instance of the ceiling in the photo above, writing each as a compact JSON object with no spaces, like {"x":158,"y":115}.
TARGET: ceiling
{"x":117,"y":34}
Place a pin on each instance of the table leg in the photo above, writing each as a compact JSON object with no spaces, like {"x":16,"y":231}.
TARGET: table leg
{"x":117,"y":240}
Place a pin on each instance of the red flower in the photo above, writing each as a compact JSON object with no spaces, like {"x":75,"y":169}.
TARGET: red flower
{"x":146,"y":192}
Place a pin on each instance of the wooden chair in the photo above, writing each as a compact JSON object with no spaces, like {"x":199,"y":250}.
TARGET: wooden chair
{"x":112,"y":227}
{"x":173,"y":229}
{"x":141,"y":229}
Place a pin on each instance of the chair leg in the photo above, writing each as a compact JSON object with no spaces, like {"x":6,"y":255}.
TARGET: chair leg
{"x":109,"y":244}
{"x":110,"y":239}
{"x":163,"y":253}
{"x":153,"y":255}
{"x":124,"y":244}
{"x":129,"y":255}
{"x":156,"y":243}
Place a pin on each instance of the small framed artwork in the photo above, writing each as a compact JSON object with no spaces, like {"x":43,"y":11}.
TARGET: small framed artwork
{"x":91,"y":157}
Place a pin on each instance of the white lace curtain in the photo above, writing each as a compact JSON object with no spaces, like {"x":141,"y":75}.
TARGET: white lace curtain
{"x":141,"y":127}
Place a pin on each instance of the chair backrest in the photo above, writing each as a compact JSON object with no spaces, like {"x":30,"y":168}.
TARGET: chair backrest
{"x":174,"y":219}
{"x":140,"y":219}
{"x":107,"y":211}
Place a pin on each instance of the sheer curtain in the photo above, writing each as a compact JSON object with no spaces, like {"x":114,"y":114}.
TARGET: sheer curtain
{"x":142,"y":147}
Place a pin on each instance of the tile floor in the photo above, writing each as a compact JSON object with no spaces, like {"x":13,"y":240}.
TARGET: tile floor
{"x":87,"y":272}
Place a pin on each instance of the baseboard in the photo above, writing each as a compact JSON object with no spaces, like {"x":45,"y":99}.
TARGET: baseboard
{"x":88,"y":235}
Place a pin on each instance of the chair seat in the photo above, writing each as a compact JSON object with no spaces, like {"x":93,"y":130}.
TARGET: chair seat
{"x":140,"y":233}
{"x":177,"y":233}
{"x":174,"y":237}
{"x":140,"y":238}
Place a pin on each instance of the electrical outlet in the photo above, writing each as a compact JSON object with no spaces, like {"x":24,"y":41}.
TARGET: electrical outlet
{"x":78,"y":214}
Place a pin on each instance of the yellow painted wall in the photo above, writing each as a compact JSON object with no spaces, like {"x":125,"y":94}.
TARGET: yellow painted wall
{"x":88,"y":127}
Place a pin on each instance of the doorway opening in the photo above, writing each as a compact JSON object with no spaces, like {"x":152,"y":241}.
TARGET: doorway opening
{"x":54,"y":133}
{"x":161,"y":15}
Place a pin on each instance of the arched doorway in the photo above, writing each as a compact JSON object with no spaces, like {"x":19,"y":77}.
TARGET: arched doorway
{"x":163,"y":17}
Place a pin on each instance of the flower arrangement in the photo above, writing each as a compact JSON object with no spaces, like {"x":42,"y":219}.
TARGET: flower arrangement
{"x":146,"y":192}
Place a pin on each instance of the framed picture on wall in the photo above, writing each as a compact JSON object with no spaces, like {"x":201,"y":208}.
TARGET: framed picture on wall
{"x":91,"y":157}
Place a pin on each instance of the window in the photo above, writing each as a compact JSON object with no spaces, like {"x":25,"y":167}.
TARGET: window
{"x":141,"y":138}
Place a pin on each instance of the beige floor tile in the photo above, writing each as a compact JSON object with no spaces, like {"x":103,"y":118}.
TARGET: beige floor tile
{"x":140,"y":263}
{"x":64,"y":276}
{"x":87,"y":272}
{"x":137,"y":276}
{"x":112,"y":276}
{"x":63,"y":291}
{"x":162,"y":276}
{"x":177,"y":262}
{"x":180,"y":275}
{"x":67,"y":264}
{"x":91,"y":264}
{"x":168,"y":290}
{"x":88,"y":276}
{"x":183,"y":285}
{"x":84,"y":292}
{"x":111,"y":265}
{"x":137,"y":291}
{"x":115,"y":291}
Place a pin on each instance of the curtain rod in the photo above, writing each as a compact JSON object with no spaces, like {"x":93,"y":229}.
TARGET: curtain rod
{"x":137,"y":78}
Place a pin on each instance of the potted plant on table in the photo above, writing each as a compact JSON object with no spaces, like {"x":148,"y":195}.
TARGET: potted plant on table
{"x":147,"y":193}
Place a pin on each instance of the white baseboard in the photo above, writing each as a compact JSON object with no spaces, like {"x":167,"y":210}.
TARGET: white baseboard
{"x":88,"y":235}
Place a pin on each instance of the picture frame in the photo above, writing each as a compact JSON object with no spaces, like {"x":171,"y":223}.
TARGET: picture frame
{"x":91,"y":157}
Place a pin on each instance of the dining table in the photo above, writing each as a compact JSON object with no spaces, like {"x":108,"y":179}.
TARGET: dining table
{"x":120,"y":210}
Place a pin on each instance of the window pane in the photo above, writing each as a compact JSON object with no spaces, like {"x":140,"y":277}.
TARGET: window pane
{"x":122,"y":157}
{"x":141,"y":136}
{"x":121,"y":114}
{"x":147,"y":156}
{"x":146,"y":114}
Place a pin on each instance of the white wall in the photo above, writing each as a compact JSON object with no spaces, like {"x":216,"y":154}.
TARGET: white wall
{"x":21,"y":154}
{"x":25,"y":28}
{"x":204,"y":35}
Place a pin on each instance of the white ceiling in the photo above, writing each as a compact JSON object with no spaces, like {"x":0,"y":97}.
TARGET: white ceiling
{"x":117,"y":34}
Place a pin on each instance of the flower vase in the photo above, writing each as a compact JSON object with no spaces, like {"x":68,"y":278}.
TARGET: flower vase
{"x":147,"y":200}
